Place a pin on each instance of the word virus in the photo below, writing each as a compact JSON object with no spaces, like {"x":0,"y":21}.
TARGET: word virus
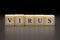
{"x":21,"y":20}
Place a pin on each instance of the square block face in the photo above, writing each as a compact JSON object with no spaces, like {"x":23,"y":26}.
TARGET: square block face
{"x":19,"y":20}
{"x":50,"y":20}
{"x":29,"y":20}
{"x":9,"y":19}
{"x":39,"y":19}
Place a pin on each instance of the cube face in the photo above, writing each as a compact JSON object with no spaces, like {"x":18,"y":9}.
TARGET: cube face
{"x":50,"y":20}
{"x":9,"y":19}
{"x":19,"y":20}
{"x":29,"y":20}
{"x":39,"y":20}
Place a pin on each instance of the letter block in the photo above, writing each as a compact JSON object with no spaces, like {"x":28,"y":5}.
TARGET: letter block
{"x":29,"y":20}
{"x":9,"y":19}
{"x":39,"y":20}
{"x":49,"y":20}
{"x":19,"y":20}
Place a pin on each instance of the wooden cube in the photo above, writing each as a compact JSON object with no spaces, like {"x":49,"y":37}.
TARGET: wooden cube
{"x":39,"y":20}
{"x":19,"y":20}
{"x":29,"y":20}
{"x":9,"y":19}
{"x":49,"y":20}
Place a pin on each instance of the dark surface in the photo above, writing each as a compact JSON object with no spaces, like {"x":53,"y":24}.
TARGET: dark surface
{"x":30,"y":33}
